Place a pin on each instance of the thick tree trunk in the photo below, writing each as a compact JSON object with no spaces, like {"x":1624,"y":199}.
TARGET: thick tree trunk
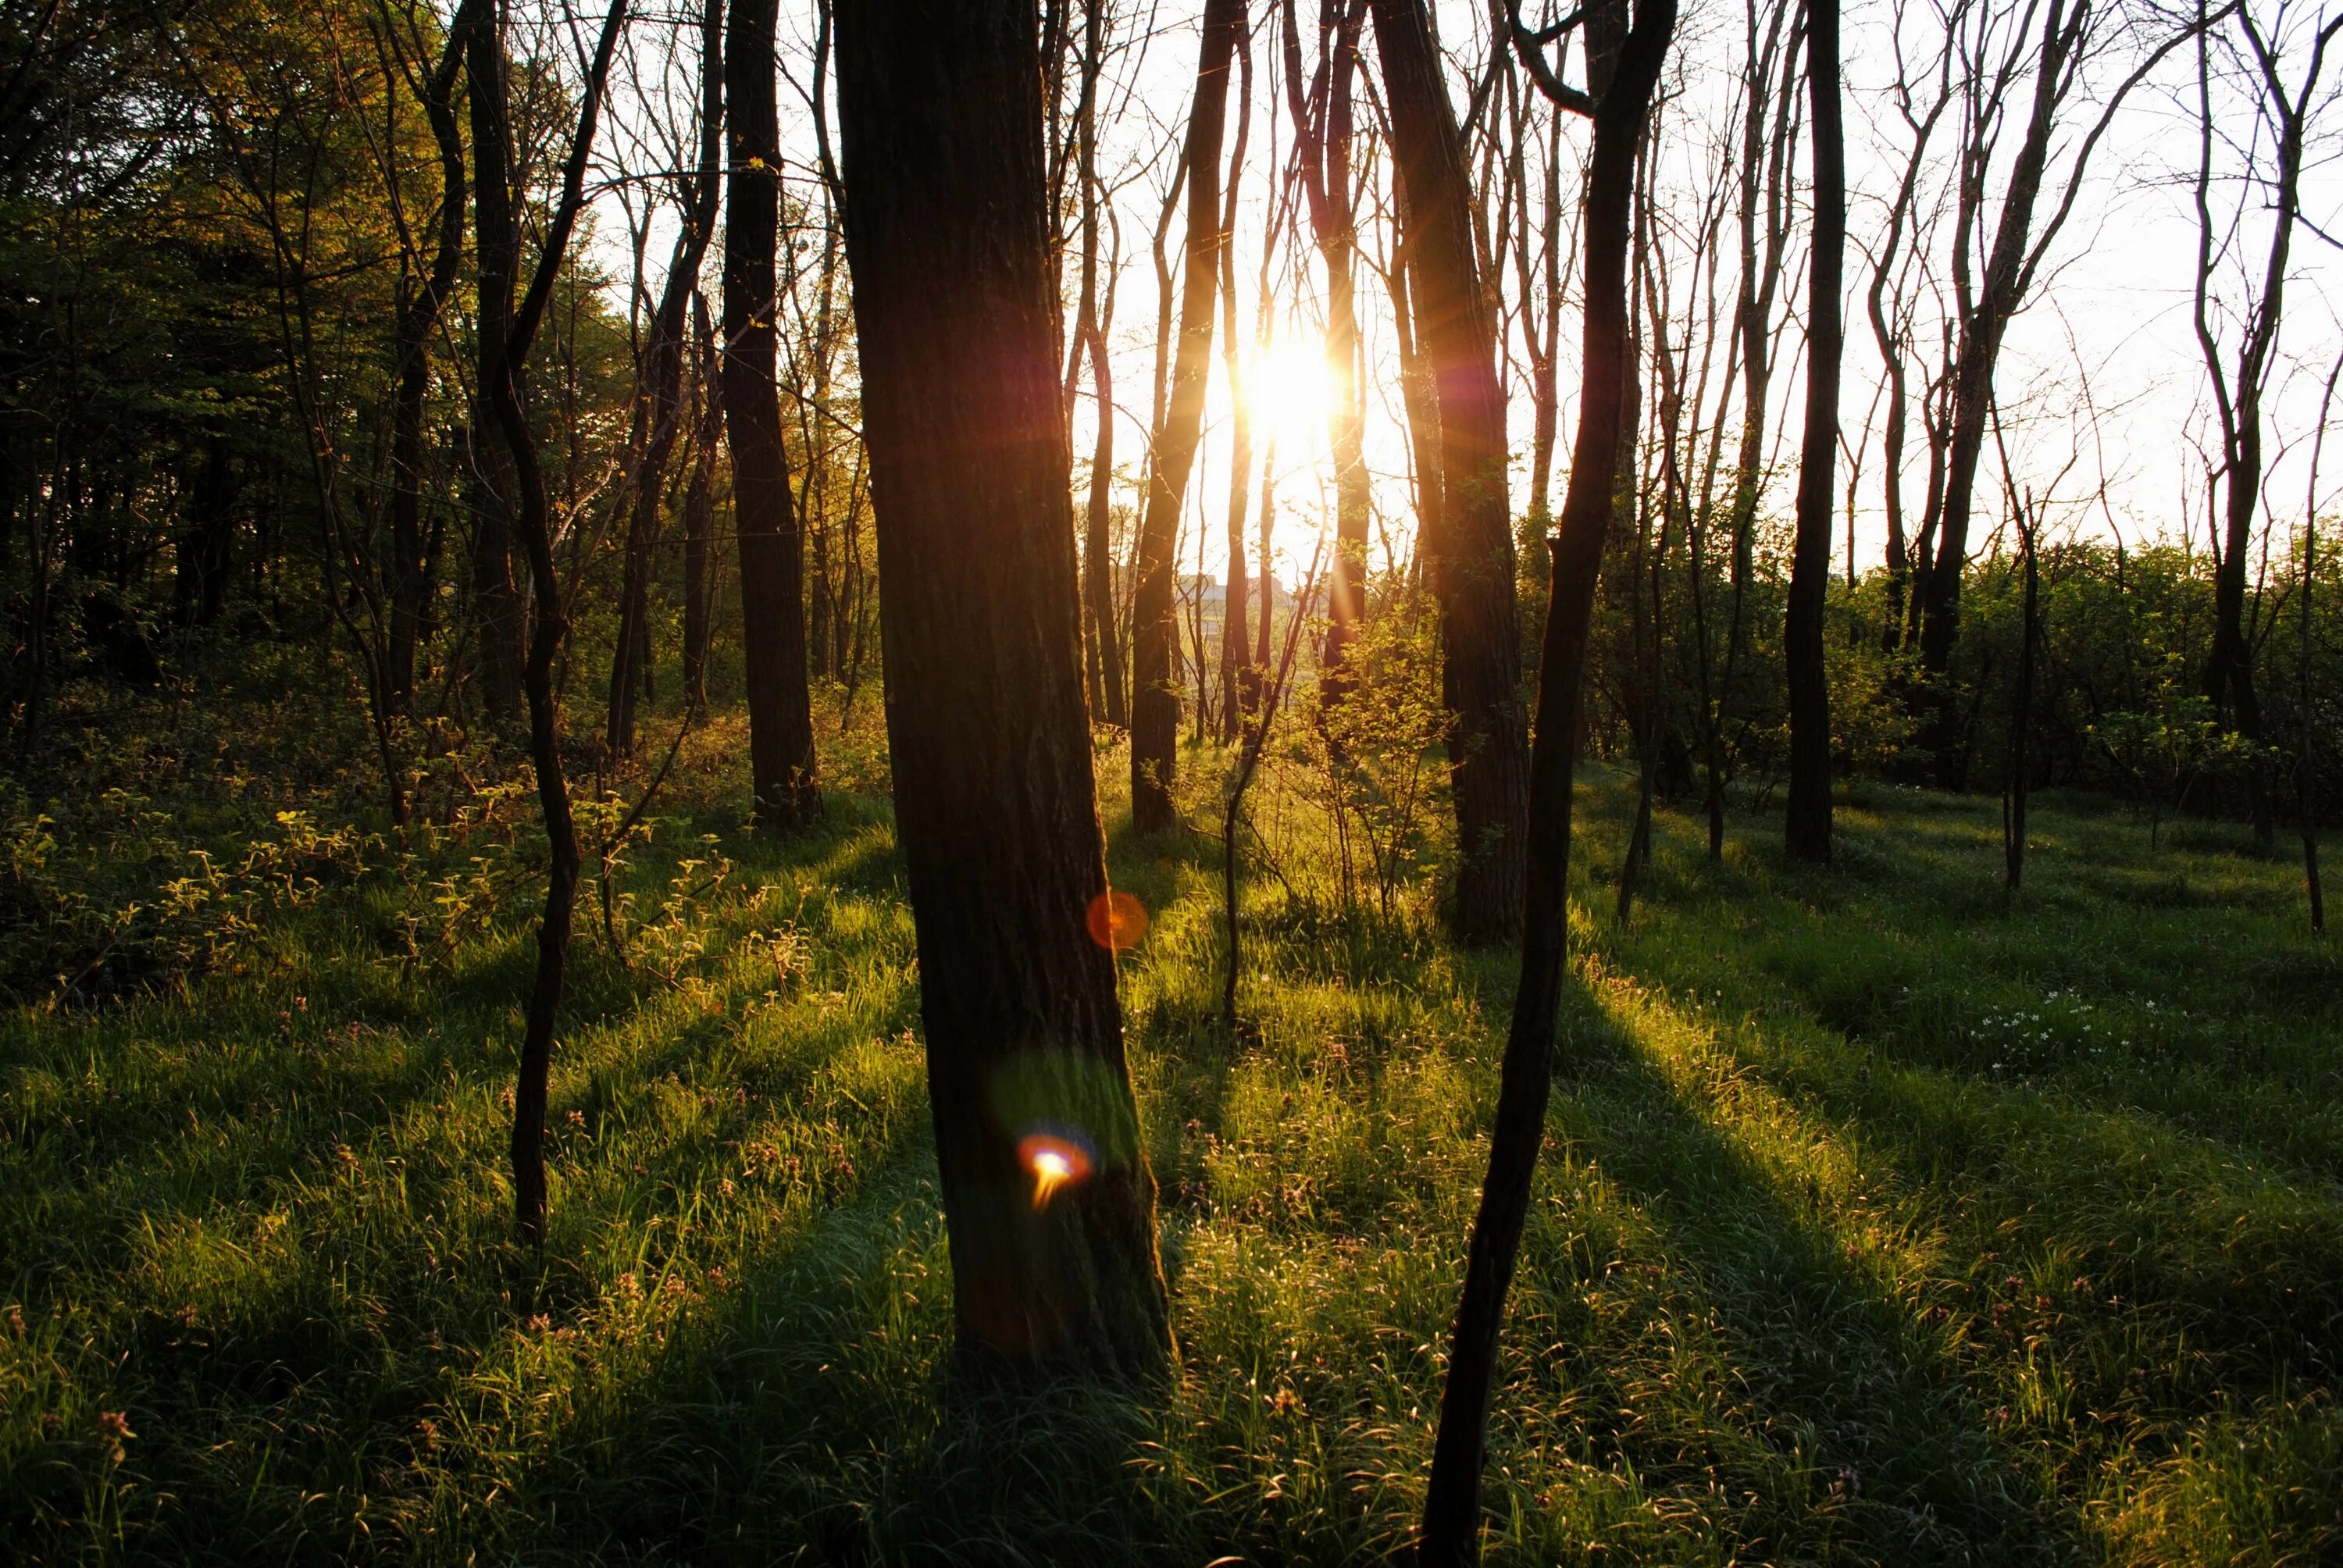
{"x":1472,"y":550}
{"x":772,"y":547}
{"x":1452,"y":1511}
{"x":1808,"y":828}
{"x":1155,"y":695}
{"x":1048,"y":1198}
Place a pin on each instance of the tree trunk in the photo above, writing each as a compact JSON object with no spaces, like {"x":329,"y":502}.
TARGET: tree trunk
{"x":1324,"y":127}
{"x":658,"y":398}
{"x":1155,"y":696}
{"x":503,"y":358}
{"x":1807,"y":833}
{"x":772,"y":547}
{"x":1238,"y":676}
{"x":2021,"y":719}
{"x":1046,"y":1194}
{"x":206,"y":556}
{"x":418,"y":316}
{"x":698,"y":507}
{"x":495,"y":598}
{"x":1452,"y":1511}
{"x":1471,"y":553}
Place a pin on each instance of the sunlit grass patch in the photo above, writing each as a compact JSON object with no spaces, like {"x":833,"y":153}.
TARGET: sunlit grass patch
{"x":1883,"y":1216}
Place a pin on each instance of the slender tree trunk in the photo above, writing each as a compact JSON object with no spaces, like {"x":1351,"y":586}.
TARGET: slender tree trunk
{"x":418,"y":316}
{"x":503,"y":360}
{"x":1808,"y":828}
{"x":772,"y":547}
{"x":495,"y":598}
{"x":1323,"y":123}
{"x":1237,"y":675}
{"x":1048,"y":1199}
{"x":2021,"y":719}
{"x":699,"y":507}
{"x":206,"y":552}
{"x":1155,"y":696}
{"x":658,"y":396}
{"x":1472,"y":550}
{"x":1098,"y":552}
{"x":2306,"y":765}
{"x":1452,"y":1512}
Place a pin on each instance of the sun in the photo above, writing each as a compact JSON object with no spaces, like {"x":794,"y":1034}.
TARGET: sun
{"x":1287,"y":390}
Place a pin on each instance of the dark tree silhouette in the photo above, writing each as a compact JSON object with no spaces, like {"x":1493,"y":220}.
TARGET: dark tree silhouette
{"x":772,"y":546}
{"x":502,"y":359}
{"x":1621,"y":83}
{"x":1046,"y":1194}
{"x":1154,"y":631}
{"x":1808,"y":829}
{"x":1469,"y":549}
{"x":2237,"y":393}
{"x":658,"y":393}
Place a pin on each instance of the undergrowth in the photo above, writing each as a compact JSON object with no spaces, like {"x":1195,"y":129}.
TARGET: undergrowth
{"x":1883,"y":1216}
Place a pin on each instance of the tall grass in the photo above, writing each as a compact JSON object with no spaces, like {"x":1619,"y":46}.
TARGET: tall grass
{"x":1884,"y":1218}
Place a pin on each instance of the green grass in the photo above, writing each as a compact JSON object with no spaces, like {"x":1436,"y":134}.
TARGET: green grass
{"x":1883,"y":1219}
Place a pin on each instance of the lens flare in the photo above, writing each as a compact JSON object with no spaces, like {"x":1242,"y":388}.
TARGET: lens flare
{"x":1117,"y":921}
{"x":1054,"y":1161}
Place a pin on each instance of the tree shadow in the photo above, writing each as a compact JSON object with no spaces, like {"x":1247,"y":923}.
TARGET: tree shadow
{"x":1865,"y":1398}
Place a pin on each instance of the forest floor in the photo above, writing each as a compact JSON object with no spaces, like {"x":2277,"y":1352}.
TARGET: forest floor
{"x":1884,"y":1217}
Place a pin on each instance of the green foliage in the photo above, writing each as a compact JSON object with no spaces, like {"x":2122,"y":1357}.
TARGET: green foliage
{"x":1883,"y":1216}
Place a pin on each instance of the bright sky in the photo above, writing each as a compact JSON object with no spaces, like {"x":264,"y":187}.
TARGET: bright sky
{"x":2110,"y":328}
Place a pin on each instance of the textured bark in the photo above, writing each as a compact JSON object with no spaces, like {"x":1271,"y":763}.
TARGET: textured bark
{"x":948,"y":241}
{"x":1452,"y":1512}
{"x":1471,"y":552}
{"x":772,"y":546}
{"x":1807,"y":830}
{"x":1154,"y":632}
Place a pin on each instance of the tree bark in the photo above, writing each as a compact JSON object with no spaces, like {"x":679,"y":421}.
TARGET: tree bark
{"x":1155,"y":695}
{"x":772,"y":546}
{"x":1471,"y":552}
{"x":1807,"y":831}
{"x":1451,"y":1513}
{"x":948,"y":242}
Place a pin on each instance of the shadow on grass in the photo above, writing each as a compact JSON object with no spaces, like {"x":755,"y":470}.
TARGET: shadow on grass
{"x":1865,"y":1401}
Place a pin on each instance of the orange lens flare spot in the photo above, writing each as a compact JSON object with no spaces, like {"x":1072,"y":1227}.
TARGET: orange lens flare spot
{"x":1053,"y":1162}
{"x":1117,"y":921}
